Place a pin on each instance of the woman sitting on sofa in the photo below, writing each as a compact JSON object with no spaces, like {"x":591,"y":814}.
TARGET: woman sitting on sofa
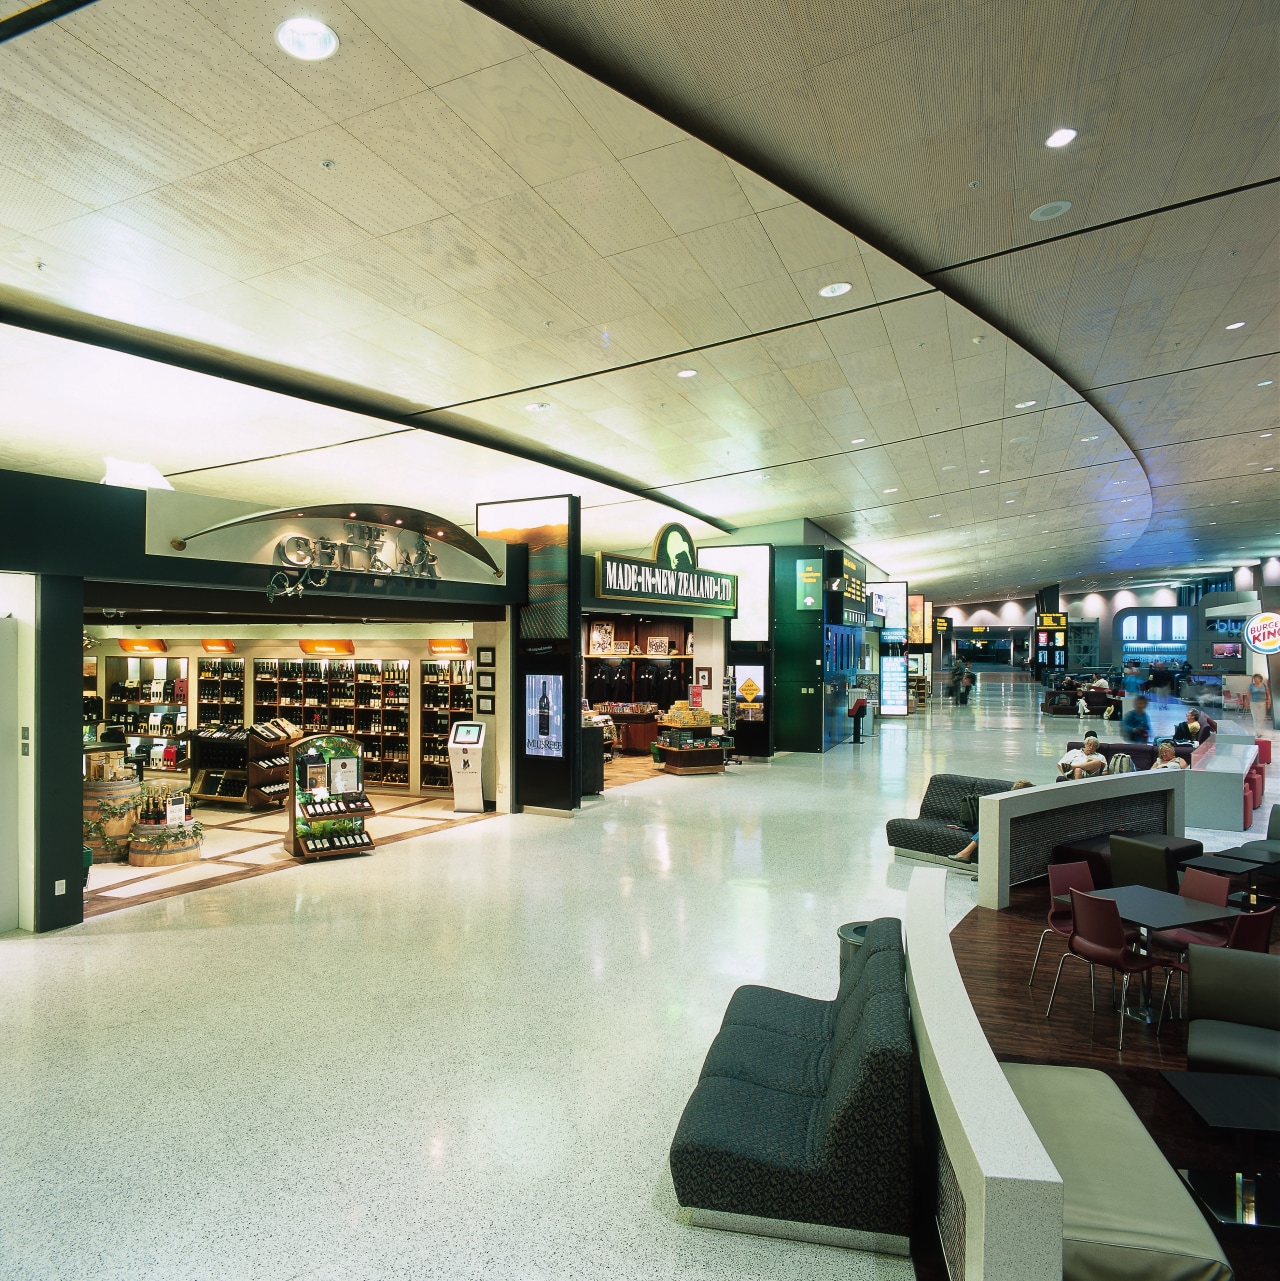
{"x":969,"y":855}
{"x":1167,"y":757}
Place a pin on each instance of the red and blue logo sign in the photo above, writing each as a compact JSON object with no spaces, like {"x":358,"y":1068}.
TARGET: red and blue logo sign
{"x":1262,"y":633}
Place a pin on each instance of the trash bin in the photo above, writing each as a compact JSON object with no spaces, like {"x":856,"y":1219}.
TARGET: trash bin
{"x":851,"y":936}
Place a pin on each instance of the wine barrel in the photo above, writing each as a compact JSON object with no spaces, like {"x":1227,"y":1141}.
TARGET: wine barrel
{"x":184,"y":849}
{"x":111,"y":844}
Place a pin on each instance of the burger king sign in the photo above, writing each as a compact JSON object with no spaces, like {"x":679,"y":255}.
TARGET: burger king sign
{"x":1262,"y":633}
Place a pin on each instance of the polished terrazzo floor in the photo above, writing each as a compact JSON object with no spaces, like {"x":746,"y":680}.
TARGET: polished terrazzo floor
{"x":463,"y":1057}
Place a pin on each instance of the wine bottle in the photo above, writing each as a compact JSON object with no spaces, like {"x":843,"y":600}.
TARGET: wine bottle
{"x":544,"y":713}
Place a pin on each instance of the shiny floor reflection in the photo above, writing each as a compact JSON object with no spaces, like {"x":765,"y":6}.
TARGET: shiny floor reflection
{"x":463,"y":1057}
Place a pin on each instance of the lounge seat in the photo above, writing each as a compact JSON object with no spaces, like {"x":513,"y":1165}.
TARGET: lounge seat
{"x":1127,"y":1216}
{"x":809,"y":1126}
{"x":929,"y":834}
{"x":1143,"y":755}
{"x":1234,"y":1011}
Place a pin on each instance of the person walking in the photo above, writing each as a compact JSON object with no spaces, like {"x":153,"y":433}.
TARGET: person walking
{"x":1259,"y":703}
{"x":966,"y":683}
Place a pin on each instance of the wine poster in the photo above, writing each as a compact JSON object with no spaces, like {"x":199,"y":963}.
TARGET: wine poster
{"x":543,"y":715}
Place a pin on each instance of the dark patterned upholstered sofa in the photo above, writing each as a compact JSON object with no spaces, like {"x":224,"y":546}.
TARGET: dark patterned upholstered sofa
{"x":803,"y":1109}
{"x":929,"y":834}
{"x":1143,"y":755}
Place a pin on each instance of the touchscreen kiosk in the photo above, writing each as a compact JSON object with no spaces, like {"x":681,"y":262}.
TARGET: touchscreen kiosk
{"x":466,"y":755}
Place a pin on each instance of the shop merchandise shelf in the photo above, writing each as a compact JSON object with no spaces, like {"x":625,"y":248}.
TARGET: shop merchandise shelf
{"x":447,"y":688}
{"x":220,"y":691}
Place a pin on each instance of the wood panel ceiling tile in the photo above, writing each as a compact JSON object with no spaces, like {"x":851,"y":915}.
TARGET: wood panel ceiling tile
{"x":607,"y":208}
{"x":529,"y":232}
{"x":690,"y":185}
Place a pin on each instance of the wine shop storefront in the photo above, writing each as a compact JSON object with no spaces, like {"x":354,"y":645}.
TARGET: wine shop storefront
{"x":199,"y":691}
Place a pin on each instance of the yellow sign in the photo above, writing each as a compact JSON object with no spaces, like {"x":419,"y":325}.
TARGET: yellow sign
{"x":1051,"y":620}
{"x":749,"y":689}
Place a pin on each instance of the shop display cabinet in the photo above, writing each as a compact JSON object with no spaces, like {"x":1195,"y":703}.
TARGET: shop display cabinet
{"x":220,"y":691}
{"x":242,"y":765}
{"x":368,"y":698}
{"x":147,"y":698}
{"x":94,"y":709}
{"x":327,"y":801}
{"x":447,"y":694}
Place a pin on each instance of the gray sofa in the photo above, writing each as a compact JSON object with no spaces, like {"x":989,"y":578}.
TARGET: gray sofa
{"x":1234,"y":1011}
{"x":930,"y":833}
{"x":803,"y":1110}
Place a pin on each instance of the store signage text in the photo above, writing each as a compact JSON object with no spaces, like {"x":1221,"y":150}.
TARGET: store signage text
{"x":628,"y":579}
{"x":1262,"y":633}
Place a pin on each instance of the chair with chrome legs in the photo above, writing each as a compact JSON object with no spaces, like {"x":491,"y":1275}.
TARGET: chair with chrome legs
{"x":1098,"y":938}
{"x":1205,"y":887}
{"x":1062,"y":877}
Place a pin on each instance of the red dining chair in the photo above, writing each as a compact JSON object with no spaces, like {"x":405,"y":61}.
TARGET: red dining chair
{"x":1062,"y":877}
{"x":1098,"y":938}
{"x":1204,"y":887}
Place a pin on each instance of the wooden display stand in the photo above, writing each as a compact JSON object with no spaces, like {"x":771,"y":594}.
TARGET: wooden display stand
{"x":692,"y":760}
{"x":184,"y":848}
{"x":110,"y":807}
{"x":321,"y":839}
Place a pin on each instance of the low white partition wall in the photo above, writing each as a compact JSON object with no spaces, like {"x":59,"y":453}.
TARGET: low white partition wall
{"x":1020,"y":829}
{"x":1000,"y":1199}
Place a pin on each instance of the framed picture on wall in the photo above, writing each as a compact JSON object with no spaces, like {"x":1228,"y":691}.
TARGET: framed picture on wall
{"x":486,"y":682}
{"x":600,"y":640}
{"x":486,"y":657}
{"x":656,"y":645}
{"x":702,"y":676}
{"x":484,"y":705}
{"x":621,"y":647}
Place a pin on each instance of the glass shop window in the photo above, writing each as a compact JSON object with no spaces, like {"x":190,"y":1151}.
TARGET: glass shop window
{"x":1155,"y":627}
{"x":1130,"y":628}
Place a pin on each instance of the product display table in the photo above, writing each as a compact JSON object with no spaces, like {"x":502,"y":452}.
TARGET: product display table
{"x":692,"y":760}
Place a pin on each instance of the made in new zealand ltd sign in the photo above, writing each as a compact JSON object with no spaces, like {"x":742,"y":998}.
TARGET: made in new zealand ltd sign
{"x":641,"y":581}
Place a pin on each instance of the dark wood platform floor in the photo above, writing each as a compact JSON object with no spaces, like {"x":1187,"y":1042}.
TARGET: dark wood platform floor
{"x":993,"y":951}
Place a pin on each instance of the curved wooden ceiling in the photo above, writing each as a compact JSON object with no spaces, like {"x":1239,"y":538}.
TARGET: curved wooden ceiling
{"x":447,"y":214}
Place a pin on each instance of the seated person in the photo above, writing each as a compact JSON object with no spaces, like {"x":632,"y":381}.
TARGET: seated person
{"x":1102,"y":683}
{"x":1136,"y":722}
{"x":1187,"y":731}
{"x":969,"y":855}
{"x":1083,"y":762}
{"x":1167,"y":757}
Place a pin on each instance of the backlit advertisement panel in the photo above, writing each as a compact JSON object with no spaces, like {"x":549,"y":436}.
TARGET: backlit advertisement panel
{"x":543,"y":714}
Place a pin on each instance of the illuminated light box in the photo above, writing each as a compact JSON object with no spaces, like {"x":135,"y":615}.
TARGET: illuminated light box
{"x":141,"y":645}
{"x":323,"y":647}
{"x":219,"y":646}
{"x":446,"y":648}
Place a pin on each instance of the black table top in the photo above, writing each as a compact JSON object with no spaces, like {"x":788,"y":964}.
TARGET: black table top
{"x":1228,"y":1101}
{"x":1159,"y":910}
{"x":1224,"y":862}
{"x":1262,"y":851}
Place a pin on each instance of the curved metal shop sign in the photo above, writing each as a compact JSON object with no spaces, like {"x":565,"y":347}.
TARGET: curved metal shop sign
{"x":670,"y":577}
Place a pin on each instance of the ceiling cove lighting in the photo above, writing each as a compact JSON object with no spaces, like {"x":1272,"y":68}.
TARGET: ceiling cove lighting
{"x":1060,"y":137}
{"x":1238,"y":324}
{"x":836,"y":289}
{"x":306,"y":39}
{"x":1054,"y":209}
{"x":687,"y":373}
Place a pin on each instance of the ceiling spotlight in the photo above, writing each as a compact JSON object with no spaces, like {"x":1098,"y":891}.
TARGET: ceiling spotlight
{"x":1087,"y":438}
{"x":894,"y":490}
{"x":935,"y":515}
{"x":861,"y":440}
{"x":1266,"y":382}
{"x":307,"y":39}
{"x":687,"y":373}
{"x":1024,"y":404}
{"x":835,"y":290}
{"x":1007,"y":501}
{"x":949,"y":467}
{"x":1234,"y":501}
{"x":1268,"y":469}
{"x":1239,"y":324}
{"x":538,"y":406}
{"x":1060,"y":137}
{"x":1054,"y":209}
{"x":1266,"y":435}
{"x":985,"y":471}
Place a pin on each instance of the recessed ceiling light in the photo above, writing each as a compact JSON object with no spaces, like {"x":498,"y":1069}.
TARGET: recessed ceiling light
{"x":1268,"y":469}
{"x":1266,"y":435}
{"x":894,"y":490}
{"x":687,"y":373}
{"x":1024,"y":404}
{"x":1234,"y":501}
{"x":1059,"y":137}
{"x":538,"y":406}
{"x":1007,"y":501}
{"x":835,"y":290}
{"x":1054,"y":209}
{"x":1085,"y":438}
{"x":1266,"y":382}
{"x":1238,"y":324}
{"x":861,"y":440}
{"x":949,"y":467}
{"x":307,"y":39}
{"x":935,"y":515}
{"x":985,"y":471}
